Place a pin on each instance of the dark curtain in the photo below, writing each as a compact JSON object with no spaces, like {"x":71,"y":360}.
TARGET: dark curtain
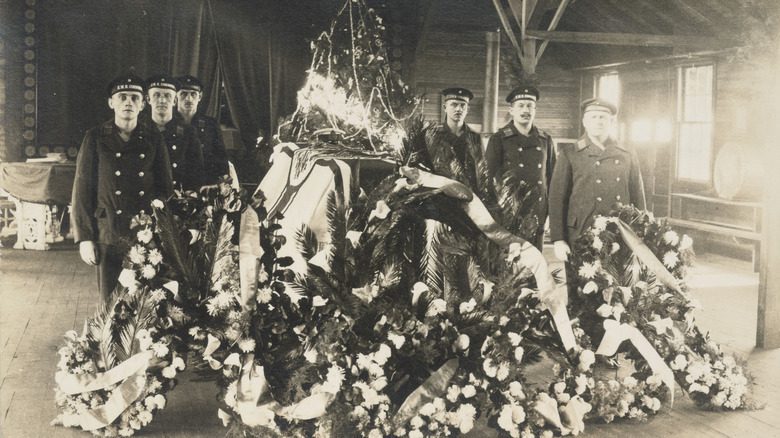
{"x":259,"y":49}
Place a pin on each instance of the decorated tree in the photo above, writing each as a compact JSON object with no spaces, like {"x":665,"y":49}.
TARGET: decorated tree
{"x":350,"y":90}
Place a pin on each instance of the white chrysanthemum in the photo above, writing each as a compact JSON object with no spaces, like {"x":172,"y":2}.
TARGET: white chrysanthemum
{"x":597,"y":243}
{"x":155,"y":257}
{"x":318,"y":301}
{"x":489,"y":368}
{"x":514,"y":338}
{"x":615,"y":248}
{"x":247,"y":345}
{"x":148,"y":271}
{"x":382,"y":355}
{"x":466,"y":413}
{"x":333,"y":380}
{"x":144,"y":236}
{"x":671,"y":238}
{"x":503,"y":371}
{"x":590,"y":287}
{"x":469,"y":391}
{"x":671,"y":259}
{"x":222,"y":300}
{"x":157,"y":295}
{"x":137,"y":254}
{"x":600,"y":223}
{"x":160,"y":349}
{"x":145,"y":417}
{"x":516,"y":390}
{"x":231,"y":394}
{"x":589,"y":270}
{"x":453,"y":392}
{"x":156,"y":203}
{"x":416,"y":434}
{"x":169,"y":372}
{"x":264,"y":295}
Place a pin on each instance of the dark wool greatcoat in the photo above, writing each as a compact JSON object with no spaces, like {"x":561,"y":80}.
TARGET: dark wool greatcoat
{"x":214,"y":156}
{"x":455,"y":157}
{"x":185,"y":153}
{"x":116,"y":180}
{"x":588,"y":181}
{"x":526,"y":164}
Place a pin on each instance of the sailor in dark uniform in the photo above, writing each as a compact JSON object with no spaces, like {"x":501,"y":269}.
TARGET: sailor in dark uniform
{"x":184,"y":149}
{"x":214,"y":156}
{"x":591,"y":177}
{"x":452,"y":149}
{"x":519,"y":160}
{"x":122,"y":166}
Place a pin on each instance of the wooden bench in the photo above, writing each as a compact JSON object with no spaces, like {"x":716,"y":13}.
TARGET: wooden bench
{"x":724,"y":217}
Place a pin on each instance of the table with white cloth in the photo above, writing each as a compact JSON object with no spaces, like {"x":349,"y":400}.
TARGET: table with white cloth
{"x":41,"y":192}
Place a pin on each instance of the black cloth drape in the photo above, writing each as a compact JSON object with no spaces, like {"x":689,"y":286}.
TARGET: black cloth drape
{"x":259,"y":50}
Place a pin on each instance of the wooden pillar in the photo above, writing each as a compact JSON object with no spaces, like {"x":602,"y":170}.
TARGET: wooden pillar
{"x":490,"y":105}
{"x":768,"y":323}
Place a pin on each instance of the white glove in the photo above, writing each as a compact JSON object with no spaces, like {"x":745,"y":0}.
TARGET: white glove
{"x":562,"y":250}
{"x":88,"y":252}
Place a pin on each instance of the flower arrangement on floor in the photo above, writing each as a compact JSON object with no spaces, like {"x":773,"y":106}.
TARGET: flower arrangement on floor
{"x":630,"y":271}
{"x":363,"y":342}
{"x":113,"y":376}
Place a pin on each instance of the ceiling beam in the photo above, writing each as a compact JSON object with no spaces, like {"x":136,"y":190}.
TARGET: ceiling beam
{"x":631,"y":39}
{"x":630,"y":11}
{"x":553,"y":24}
{"x":522,"y":10}
{"x":507,"y":26}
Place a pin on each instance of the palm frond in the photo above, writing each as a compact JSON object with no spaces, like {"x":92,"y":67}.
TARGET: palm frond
{"x":308,"y":244}
{"x":174,"y":247}
{"x":432,"y":259}
{"x":100,"y":331}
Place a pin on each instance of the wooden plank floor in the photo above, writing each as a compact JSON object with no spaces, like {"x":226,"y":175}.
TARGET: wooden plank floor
{"x":45,"y":293}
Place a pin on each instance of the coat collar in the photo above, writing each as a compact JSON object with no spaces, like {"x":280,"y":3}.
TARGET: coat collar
{"x":585,"y":143}
{"x":113,"y":141}
{"x":533,"y":132}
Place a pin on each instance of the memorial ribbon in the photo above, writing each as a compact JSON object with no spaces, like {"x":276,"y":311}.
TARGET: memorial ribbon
{"x":646,"y":256}
{"x":616,"y":333}
{"x":553,"y":297}
{"x":132,"y":374}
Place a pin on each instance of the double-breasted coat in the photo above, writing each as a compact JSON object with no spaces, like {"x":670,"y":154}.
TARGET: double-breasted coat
{"x":215,"y":158}
{"x":185,"y":153}
{"x":588,"y":181}
{"x":523,"y":165}
{"x":115,"y":180}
